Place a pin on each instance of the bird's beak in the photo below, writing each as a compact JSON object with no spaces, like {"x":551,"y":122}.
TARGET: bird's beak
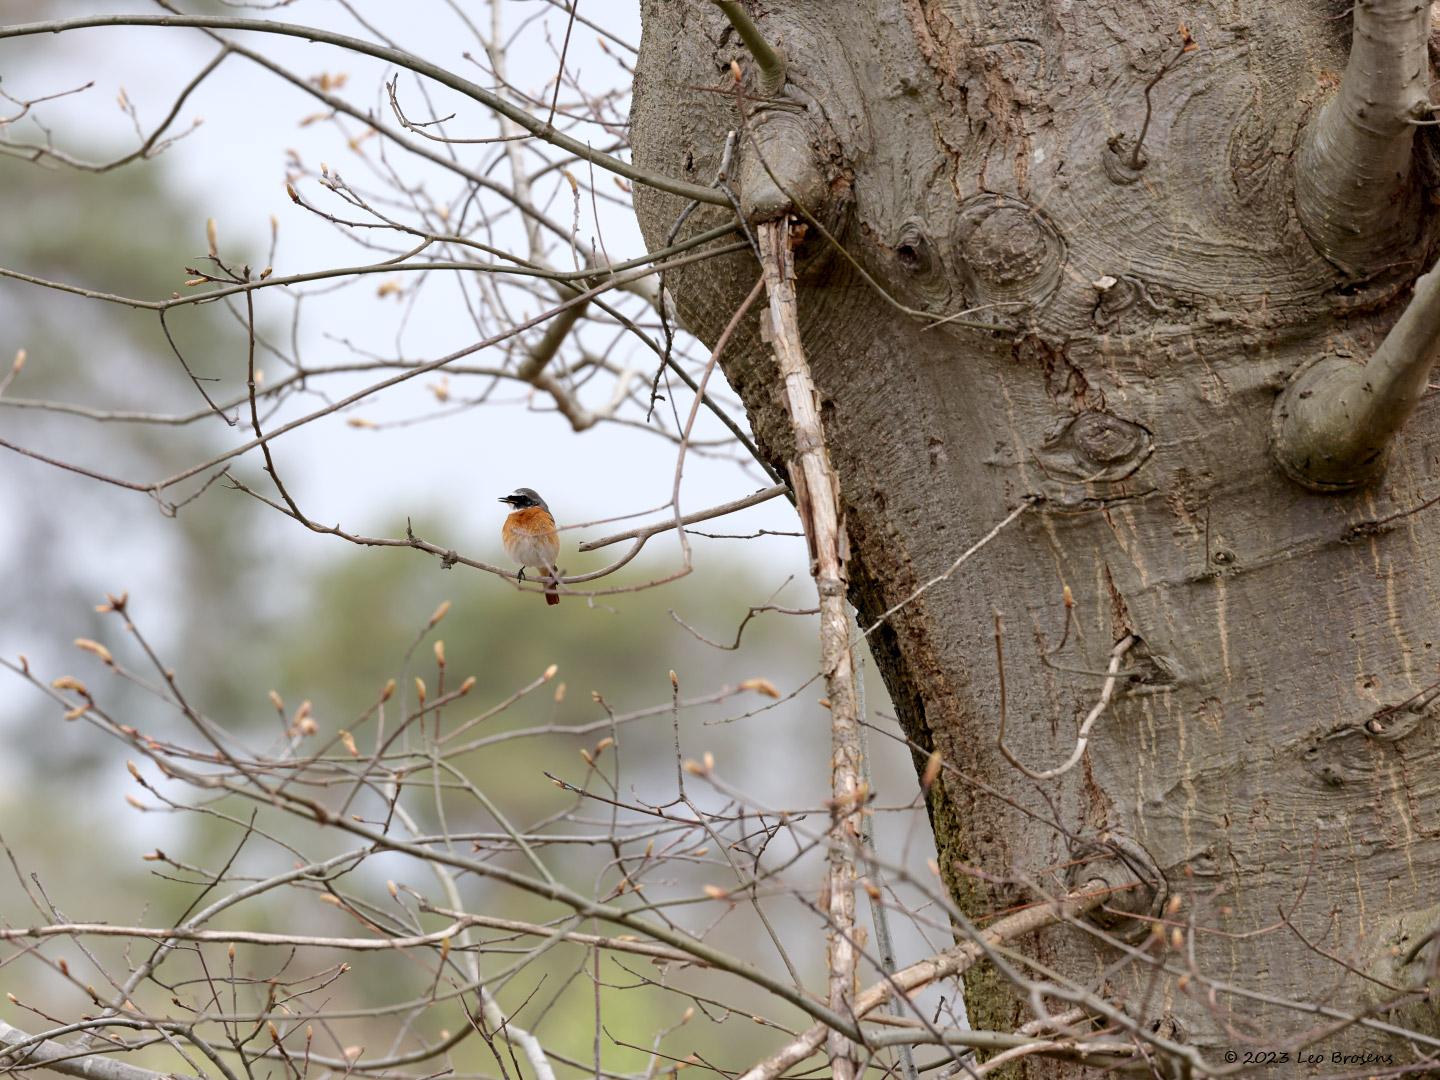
{"x":504,"y":499}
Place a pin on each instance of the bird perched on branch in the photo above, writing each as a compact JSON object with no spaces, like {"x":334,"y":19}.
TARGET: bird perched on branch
{"x":530,"y":537}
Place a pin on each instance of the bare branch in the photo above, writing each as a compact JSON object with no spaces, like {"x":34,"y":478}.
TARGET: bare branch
{"x":63,"y":1059}
{"x":350,"y":399}
{"x":1355,"y":191}
{"x":395,"y":56}
{"x":769,"y":59}
{"x":951,"y":962}
{"x":1332,"y":428}
{"x":149,"y":146}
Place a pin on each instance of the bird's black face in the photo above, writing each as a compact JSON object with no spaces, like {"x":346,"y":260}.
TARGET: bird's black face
{"x":524,"y":498}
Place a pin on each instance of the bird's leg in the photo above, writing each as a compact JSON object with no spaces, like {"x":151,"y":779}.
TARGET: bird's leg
{"x":520,"y":576}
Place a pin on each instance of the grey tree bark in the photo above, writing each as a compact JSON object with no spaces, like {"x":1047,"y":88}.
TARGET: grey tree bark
{"x":1157,"y":217}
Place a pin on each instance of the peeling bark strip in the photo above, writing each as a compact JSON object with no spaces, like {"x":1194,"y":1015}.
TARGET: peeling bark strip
{"x":1353,"y":187}
{"x":817,"y":497}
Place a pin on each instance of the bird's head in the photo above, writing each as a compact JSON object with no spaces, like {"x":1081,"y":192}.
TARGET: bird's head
{"x":524,"y":498}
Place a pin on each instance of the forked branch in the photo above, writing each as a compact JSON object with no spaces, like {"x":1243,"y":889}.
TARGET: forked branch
{"x":400,"y":58}
{"x":57,"y":1057}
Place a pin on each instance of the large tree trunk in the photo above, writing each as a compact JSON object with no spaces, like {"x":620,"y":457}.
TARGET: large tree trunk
{"x":1271,"y":748}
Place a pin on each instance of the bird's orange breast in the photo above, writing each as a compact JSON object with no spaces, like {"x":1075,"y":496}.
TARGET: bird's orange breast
{"x":532,"y":520}
{"x":530,"y":537}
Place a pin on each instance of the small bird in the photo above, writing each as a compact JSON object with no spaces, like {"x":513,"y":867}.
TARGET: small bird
{"x":530,"y":537}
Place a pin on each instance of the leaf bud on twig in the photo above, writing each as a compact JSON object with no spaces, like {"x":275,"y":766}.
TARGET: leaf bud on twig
{"x":95,"y":647}
{"x":69,"y":682}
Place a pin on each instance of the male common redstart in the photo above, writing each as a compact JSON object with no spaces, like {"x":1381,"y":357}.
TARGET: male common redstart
{"x":530,"y":537}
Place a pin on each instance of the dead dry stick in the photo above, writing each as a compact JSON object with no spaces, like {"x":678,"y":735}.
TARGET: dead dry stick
{"x":817,"y":497}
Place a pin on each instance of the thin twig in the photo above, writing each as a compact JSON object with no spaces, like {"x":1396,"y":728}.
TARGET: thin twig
{"x":394,"y":56}
{"x":644,"y":532}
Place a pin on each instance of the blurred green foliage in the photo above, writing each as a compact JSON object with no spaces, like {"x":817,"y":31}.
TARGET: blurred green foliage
{"x":83,"y":231}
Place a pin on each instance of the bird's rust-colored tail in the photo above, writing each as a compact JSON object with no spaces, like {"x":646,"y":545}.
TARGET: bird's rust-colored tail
{"x":551,"y":596}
